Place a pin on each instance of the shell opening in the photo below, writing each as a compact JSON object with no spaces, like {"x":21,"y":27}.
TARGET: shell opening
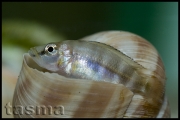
{"x":32,"y":64}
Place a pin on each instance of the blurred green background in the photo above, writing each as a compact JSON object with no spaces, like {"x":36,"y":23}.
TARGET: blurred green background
{"x":26,"y":24}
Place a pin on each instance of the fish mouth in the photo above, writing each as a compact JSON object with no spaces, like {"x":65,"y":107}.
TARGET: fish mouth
{"x":33,"y":52}
{"x":34,"y":55}
{"x":33,"y":64}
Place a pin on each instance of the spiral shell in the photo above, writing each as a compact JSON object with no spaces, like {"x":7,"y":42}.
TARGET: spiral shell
{"x":83,"y":98}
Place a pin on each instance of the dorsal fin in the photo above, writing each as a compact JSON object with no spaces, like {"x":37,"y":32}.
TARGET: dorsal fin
{"x":111,"y":47}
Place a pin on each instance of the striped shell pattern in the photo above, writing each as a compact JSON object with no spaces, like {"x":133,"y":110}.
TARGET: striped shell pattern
{"x":95,"y":99}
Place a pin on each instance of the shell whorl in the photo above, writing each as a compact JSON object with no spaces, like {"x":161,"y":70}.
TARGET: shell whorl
{"x":97,"y":99}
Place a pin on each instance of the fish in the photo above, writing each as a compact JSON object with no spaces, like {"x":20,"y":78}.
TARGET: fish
{"x":93,"y":61}
{"x":86,"y":60}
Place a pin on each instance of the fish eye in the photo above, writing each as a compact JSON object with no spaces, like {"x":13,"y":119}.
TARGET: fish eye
{"x":51,"y":49}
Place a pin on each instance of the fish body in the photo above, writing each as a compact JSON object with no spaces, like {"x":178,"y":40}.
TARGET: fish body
{"x":94,"y":61}
{"x":87,"y":60}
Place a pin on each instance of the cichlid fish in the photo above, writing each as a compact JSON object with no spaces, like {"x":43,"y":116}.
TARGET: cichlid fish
{"x":87,"y":60}
{"x":92,"y":61}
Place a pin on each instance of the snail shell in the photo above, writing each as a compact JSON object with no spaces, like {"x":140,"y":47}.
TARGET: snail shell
{"x":84,"y":98}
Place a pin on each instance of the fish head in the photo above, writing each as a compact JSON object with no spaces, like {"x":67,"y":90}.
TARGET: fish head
{"x":51,"y":56}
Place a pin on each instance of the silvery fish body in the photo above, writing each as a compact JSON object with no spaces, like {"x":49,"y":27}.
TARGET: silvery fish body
{"x":96,"y":61}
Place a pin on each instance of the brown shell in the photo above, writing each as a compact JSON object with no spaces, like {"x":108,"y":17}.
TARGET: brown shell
{"x":82,"y":98}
